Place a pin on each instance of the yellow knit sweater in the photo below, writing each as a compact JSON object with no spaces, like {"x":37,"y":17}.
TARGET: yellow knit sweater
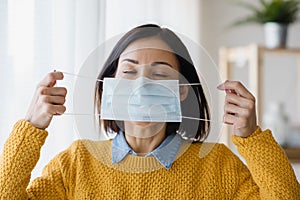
{"x":76,"y":174}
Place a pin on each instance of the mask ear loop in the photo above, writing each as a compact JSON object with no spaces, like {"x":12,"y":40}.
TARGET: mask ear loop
{"x":99,"y":80}
{"x":81,"y":76}
{"x":185,"y":117}
{"x":205,"y":148}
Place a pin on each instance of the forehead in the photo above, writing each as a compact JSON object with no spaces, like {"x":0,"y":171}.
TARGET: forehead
{"x":148,"y":43}
{"x":149,"y":48}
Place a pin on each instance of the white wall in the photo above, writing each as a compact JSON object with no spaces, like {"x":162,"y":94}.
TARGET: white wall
{"x":36,"y":38}
{"x":179,"y":15}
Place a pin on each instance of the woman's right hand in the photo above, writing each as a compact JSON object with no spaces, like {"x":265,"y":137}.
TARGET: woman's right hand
{"x":47,"y":101}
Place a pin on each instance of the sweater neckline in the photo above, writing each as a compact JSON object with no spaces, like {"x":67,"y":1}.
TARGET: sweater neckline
{"x":101,"y":150}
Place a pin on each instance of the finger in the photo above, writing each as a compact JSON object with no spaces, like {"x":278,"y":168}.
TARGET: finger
{"x":236,"y":110}
{"x":56,"y":100}
{"x":229,"y":119}
{"x":51,"y":78}
{"x":53,"y":91}
{"x":229,"y":91}
{"x":55,"y":109}
{"x":240,"y":101}
{"x":238,"y":87}
{"x":237,"y":122}
{"x":60,"y":109}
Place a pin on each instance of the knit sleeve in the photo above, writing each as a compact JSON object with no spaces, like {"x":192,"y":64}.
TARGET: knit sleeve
{"x":20,"y":155}
{"x":268,"y":165}
{"x":55,"y":180}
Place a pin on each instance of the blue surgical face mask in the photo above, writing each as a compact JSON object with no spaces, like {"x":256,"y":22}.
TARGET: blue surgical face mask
{"x":141,"y":99}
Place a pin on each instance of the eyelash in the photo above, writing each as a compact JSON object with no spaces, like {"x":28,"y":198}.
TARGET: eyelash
{"x":160,"y":75}
{"x":154,"y":74}
{"x":129,"y":71}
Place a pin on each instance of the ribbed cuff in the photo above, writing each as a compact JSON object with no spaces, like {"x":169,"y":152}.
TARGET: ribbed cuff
{"x":240,"y":141}
{"x":25,"y":127}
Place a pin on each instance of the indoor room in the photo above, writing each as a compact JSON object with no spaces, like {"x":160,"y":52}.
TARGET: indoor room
{"x":245,"y":57}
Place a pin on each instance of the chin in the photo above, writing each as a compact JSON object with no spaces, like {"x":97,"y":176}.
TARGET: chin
{"x":143,"y":124}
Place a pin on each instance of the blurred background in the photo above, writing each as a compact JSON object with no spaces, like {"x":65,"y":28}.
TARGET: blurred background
{"x":37,"y":37}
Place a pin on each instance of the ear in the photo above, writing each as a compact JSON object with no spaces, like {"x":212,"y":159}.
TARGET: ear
{"x":183,"y":91}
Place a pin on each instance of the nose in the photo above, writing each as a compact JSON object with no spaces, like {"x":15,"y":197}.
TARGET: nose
{"x":145,"y":71}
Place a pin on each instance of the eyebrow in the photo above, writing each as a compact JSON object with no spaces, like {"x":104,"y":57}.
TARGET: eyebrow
{"x":130,"y":60}
{"x":152,"y":64}
{"x":161,"y":63}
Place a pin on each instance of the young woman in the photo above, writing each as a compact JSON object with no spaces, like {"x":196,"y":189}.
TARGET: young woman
{"x":146,"y":159}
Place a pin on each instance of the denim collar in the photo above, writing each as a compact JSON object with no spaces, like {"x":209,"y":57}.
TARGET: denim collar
{"x":165,"y":153}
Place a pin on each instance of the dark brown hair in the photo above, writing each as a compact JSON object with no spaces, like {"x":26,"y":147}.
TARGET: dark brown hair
{"x":189,"y":128}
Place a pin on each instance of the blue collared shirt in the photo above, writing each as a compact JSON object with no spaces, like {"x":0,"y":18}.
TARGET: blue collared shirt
{"x":165,"y":153}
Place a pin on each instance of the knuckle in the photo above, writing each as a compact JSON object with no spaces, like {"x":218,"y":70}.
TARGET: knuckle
{"x":38,"y":89}
{"x":51,"y":76}
{"x":64,"y":91}
{"x":42,"y":90}
{"x":244,"y":113}
{"x":47,"y":108}
{"x":247,"y":113}
{"x":236,"y":83}
{"x":45,"y":99}
{"x":231,"y":97}
{"x":247,"y":104}
{"x":251,"y":106}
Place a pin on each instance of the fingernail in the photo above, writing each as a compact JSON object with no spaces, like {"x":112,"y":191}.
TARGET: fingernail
{"x":221,"y":86}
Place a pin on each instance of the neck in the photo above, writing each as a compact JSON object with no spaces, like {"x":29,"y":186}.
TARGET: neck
{"x":143,"y":138}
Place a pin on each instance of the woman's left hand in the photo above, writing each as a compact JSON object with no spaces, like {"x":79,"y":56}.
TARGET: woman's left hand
{"x":239,"y":109}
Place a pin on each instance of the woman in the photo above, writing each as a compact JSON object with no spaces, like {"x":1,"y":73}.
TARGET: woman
{"x":120,"y":172}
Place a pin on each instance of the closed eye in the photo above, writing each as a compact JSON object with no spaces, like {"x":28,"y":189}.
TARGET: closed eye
{"x":160,"y":75}
{"x":126,"y":71}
